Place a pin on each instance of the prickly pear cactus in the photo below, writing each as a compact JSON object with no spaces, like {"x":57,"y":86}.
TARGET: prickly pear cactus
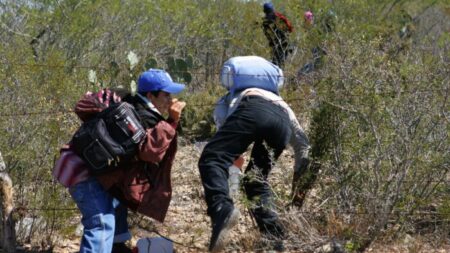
{"x":151,"y":63}
{"x":179,"y":69}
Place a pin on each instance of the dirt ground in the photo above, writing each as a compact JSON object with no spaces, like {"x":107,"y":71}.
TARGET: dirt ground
{"x":187,"y":224}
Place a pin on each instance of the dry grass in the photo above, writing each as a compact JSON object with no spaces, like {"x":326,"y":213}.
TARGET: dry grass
{"x":189,"y":227}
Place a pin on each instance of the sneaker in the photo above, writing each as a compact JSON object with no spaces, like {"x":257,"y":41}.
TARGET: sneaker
{"x":121,"y":248}
{"x":226,"y":217}
{"x":268,"y":222}
{"x":271,"y":244}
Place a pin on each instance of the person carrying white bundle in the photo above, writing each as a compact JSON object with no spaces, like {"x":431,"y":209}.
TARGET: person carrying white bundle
{"x":251,"y":112}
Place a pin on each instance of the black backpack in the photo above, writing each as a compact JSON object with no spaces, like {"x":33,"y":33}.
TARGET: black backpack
{"x":110,"y":139}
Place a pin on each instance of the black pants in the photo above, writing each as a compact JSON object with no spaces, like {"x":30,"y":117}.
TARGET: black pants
{"x":257,"y":121}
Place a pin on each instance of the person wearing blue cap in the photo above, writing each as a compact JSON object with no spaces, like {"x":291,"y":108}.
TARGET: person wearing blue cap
{"x":276,"y":28}
{"x":154,"y":90}
{"x":143,"y":184}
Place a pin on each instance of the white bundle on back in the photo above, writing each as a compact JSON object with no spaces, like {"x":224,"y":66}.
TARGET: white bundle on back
{"x":242,"y":72}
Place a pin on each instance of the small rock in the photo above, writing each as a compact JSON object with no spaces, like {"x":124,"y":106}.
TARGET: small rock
{"x":331,"y":247}
{"x":408,"y":240}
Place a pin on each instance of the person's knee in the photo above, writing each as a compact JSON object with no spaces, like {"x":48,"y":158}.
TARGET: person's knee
{"x":99,"y":222}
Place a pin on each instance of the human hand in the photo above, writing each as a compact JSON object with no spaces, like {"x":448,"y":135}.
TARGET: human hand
{"x":175,"y":109}
{"x":239,"y":162}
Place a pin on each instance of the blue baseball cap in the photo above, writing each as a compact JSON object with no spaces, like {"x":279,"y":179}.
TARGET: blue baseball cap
{"x":158,"y":79}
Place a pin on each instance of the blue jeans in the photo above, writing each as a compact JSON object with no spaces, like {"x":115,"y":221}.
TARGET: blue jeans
{"x":103,"y":217}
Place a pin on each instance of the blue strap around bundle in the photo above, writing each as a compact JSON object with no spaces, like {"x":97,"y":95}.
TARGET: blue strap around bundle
{"x":243,"y":72}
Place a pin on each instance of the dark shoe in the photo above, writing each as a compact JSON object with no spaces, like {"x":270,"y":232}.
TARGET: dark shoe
{"x":268,"y":222}
{"x":121,"y":248}
{"x":278,"y":246}
{"x":275,"y":230}
{"x":272,"y":244}
{"x":225,"y":218}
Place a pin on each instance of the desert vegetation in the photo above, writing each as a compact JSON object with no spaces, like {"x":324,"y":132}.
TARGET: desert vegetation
{"x":375,"y":107}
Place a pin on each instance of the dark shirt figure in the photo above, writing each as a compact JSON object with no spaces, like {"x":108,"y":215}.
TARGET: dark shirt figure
{"x":277,"y":27}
